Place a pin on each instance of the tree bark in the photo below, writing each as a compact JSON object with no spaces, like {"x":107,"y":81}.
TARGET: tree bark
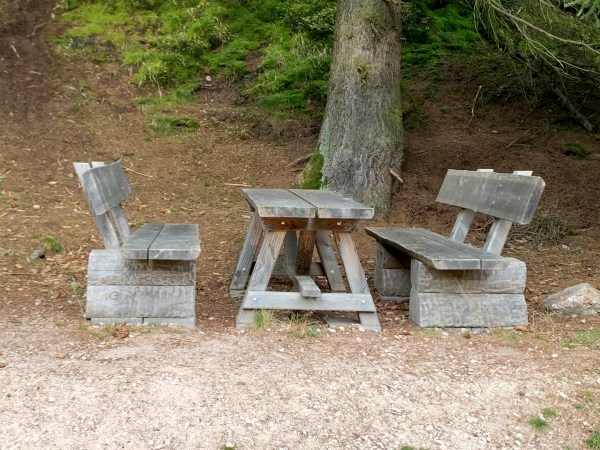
{"x":362,"y":136}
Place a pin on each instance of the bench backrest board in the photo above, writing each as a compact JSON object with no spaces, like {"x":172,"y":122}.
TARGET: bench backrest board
{"x":105,"y":188}
{"x":507,"y":196}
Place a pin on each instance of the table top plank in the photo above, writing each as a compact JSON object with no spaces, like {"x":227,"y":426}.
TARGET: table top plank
{"x":278,"y":203}
{"x":331,"y":205}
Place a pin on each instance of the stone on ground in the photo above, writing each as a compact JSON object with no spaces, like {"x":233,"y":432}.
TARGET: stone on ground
{"x":581,"y":299}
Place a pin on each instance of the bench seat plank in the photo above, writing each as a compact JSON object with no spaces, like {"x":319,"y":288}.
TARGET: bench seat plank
{"x":279,"y":203}
{"x":176,"y":242}
{"x":331,"y":206}
{"x":435,"y":250}
{"x":136,"y":247}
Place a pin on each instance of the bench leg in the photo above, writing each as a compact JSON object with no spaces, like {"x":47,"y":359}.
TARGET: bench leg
{"x":356,"y":279}
{"x":259,"y":280}
{"x":244,"y":263}
{"x":329,"y":262}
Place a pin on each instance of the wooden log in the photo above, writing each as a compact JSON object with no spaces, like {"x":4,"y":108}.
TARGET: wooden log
{"x":140,"y":301}
{"x":392,"y":282}
{"x":467,"y":310}
{"x":510,"y":280}
{"x":390,"y":258}
{"x":107,"y":267}
{"x":333,"y":301}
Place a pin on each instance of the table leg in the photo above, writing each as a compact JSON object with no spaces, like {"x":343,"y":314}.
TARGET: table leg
{"x":356,"y":278}
{"x":261,"y":274}
{"x":306,"y":248}
{"x":329,"y":262}
{"x":290,"y":252}
{"x":244,"y":263}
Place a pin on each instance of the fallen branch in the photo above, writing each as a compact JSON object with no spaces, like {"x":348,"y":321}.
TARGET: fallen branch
{"x":237,"y":184}
{"x":138,"y":173}
{"x":301,"y":160}
{"x":573,"y":110}
{"x":473,"y":106}
{"x":396,"y":176}
{"x":15,"y":50}
{"x":517,"y":139}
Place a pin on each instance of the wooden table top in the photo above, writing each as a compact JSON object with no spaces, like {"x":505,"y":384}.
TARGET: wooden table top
{"x":305,"y":203}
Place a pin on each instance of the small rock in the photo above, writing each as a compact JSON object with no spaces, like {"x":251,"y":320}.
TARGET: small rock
{"x":2,"y":365}
{"x":38,"y":253}
{"x":36,"y":206}
{"x":581,"y":299}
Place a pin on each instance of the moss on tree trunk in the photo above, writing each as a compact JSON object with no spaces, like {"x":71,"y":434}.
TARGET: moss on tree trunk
{"x":361,"y":136}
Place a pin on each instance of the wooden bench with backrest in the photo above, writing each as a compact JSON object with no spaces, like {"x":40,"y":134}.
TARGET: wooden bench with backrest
{"x":146,"y":276}
{"x":453,"y":284}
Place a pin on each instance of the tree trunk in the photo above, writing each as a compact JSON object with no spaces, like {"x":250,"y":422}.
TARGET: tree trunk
{"x":362,"y":137}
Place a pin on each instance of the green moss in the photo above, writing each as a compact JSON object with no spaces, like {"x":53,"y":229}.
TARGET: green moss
{"x":313,"y":174}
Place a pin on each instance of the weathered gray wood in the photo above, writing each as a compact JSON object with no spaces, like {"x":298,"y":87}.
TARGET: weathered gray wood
{"x":106,"y":186}
{"x":334,"y":206}
{"x":497,"y":236}
{"x":279,"y":203}
{"x":390,"y":258}
{"x":467,"y":310}
{"x":462,"y":225}
{"x":307,"y":286}
{"x":242,"y":269}
{"x":356,"y":278}
{"x":113,"y":320}
{"x":435,"y":250}
{"x":182,"y":321}
{"x":507,"y":196}
{"x":105,"y":227}
{"x":290,"y":253}
{"x":392,"y":282}
{"x":140,"y":301}
{"x":510,"y":280}
{"x":295,"y":301}
{"x":108,"y":267}
{"x":176,"y":241}
{"x":261,"y":274}
{"x":138,"y":244}
{"x":329,"y":261}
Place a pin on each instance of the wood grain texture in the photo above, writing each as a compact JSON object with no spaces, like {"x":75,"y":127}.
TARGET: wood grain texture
{"x":467,"y":310}
{"x":334,"y":206}
{"x":306,"y":248}
{"x":390,"y":258}
{"x":106,"y":186}
{"x":139,"y":242}
{"x":176,"y":241}
{"x":140,"y":301}
{"x":295,"y":301}
{"x":510,"y":280}
{"x":108,"y":267}
{"x":245,"y":261}
{"x":307,"y":287}
{"x":329,"y":262}
{"x":392,"y":282}
{"x":437,"y":251}
{"x":105,"y":226}
{"x":278,"y":203}
{"x":512,"y":197}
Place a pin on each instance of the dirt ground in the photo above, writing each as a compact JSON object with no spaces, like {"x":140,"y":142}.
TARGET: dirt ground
{"x":65,"y":384}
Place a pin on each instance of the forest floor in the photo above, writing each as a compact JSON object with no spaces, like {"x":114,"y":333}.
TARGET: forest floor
{"x":66,"y":384}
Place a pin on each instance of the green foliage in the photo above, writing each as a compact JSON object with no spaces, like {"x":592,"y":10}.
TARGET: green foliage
{"x":582,"y":339}
{"x":594,"y":441}
{"x":167,"y":125}
{"x":52,"y":244}
{"x":538,"y":423}
{"x":313,"y":174}
{"x":263,"y":320}
{"x":577,"y":150}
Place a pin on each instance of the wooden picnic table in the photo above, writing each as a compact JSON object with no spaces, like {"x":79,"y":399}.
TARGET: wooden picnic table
{"x":298,"y":221}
